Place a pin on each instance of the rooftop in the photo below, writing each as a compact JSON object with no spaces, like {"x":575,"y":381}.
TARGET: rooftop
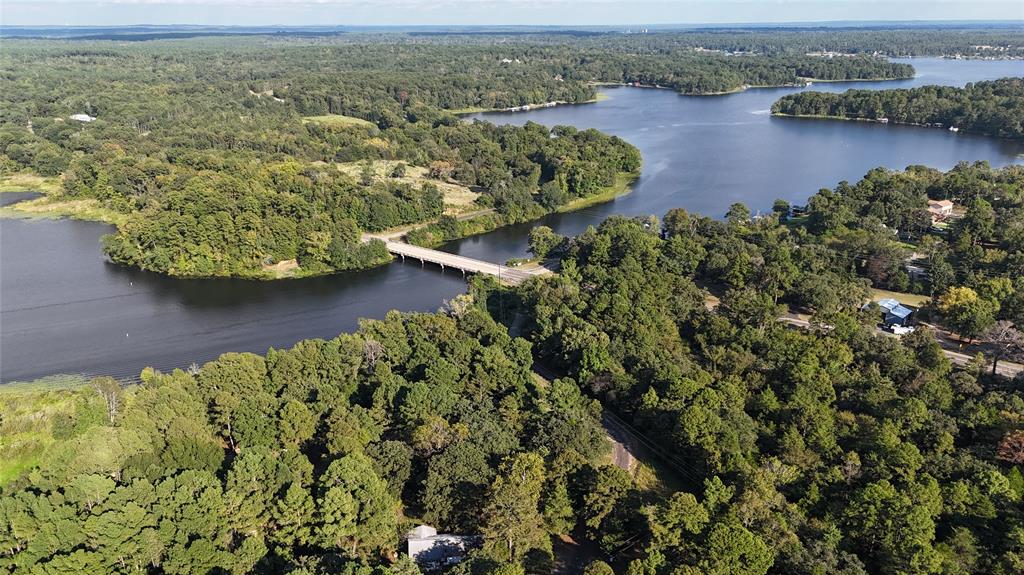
{"x":895,"y":308}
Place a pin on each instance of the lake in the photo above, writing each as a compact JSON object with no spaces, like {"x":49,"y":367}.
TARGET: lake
{"x":65,"y":309}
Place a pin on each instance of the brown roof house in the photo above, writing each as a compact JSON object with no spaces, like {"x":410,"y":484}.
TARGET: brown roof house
{"x":940,"y":209}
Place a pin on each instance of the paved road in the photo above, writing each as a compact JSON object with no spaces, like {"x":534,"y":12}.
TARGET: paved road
{"x":1004,"y":368}
{"x":624,"y":443}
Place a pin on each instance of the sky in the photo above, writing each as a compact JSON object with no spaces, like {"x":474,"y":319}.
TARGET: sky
{"x":482,"y":12}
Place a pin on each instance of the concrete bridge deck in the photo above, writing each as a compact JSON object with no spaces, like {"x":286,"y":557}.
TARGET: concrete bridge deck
{"x":462,"y":263}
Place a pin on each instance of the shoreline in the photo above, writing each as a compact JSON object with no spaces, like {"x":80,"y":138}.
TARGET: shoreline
{"x":88,"y":209}
{"x":807,"y":82}
{"x":622,"y":186}
{"x":889,"y":123}
{"x":600,"y":97}
{"x":47,"y":207}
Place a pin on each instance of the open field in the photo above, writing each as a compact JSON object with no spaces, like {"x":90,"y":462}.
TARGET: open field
{"x":339,"y":121}
{"x":458,"y":199}
{"x":915,"y":300}
{"x":26,"y":182}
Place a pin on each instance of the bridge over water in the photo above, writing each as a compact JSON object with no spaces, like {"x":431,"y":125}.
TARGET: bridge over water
{"x":461,"y":263}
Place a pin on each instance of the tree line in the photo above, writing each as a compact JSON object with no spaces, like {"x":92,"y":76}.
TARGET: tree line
{"x":994,"y":108}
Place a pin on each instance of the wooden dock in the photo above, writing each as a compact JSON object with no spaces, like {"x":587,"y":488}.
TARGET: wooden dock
{"x":466,"y":265}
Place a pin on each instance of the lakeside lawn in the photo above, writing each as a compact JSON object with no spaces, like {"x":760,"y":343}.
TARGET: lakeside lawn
{"x":600,"y":97}
{"x":28,"y":182}
{"x":622,"y":186}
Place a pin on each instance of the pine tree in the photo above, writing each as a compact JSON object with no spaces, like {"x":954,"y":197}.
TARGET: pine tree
{"x":558,"y":513}
{"x":512,"y":520}
{"x":293,"y":517}
{"x":357,"y":512}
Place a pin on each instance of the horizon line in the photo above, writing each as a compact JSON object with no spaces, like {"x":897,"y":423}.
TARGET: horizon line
{"x":517,"y":25}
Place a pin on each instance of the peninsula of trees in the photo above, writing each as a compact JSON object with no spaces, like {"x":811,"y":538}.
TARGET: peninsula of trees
{"x":994,"y":108}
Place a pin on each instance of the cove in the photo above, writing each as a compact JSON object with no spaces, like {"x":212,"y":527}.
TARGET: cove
{"x":65,"y":309}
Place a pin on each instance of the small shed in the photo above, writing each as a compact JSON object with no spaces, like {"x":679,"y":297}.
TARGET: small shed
{"x":82,"y":117}
{"x":895,"y":313}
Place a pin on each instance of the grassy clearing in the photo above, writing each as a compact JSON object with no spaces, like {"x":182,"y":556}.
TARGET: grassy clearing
{"x":339,"y":121}
{"x":56,"y":207}
{"x":458,"y":199}
{"x":282,"y":269}
{"x":27,"y":410}
{"x":915,"y":300}
{"x":27,"y":182}
{"x":52,"y":204}
{"x":621,"y":187}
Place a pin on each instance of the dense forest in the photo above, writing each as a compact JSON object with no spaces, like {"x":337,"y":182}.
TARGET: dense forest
{"x":215,"y":156}
{"x":948,"y":41}
{"x":829,"y":448}
{"x":993,"y":108}
{"x":813,"y":445}
{"x":308,"y":460}
{"x":880,"y":226}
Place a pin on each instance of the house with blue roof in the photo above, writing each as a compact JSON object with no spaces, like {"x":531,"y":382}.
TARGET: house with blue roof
{"x":895,"y":313}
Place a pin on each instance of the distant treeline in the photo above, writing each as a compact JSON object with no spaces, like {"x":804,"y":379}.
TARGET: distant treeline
{"x":994,"y":108}
{"x":991,"y":41}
